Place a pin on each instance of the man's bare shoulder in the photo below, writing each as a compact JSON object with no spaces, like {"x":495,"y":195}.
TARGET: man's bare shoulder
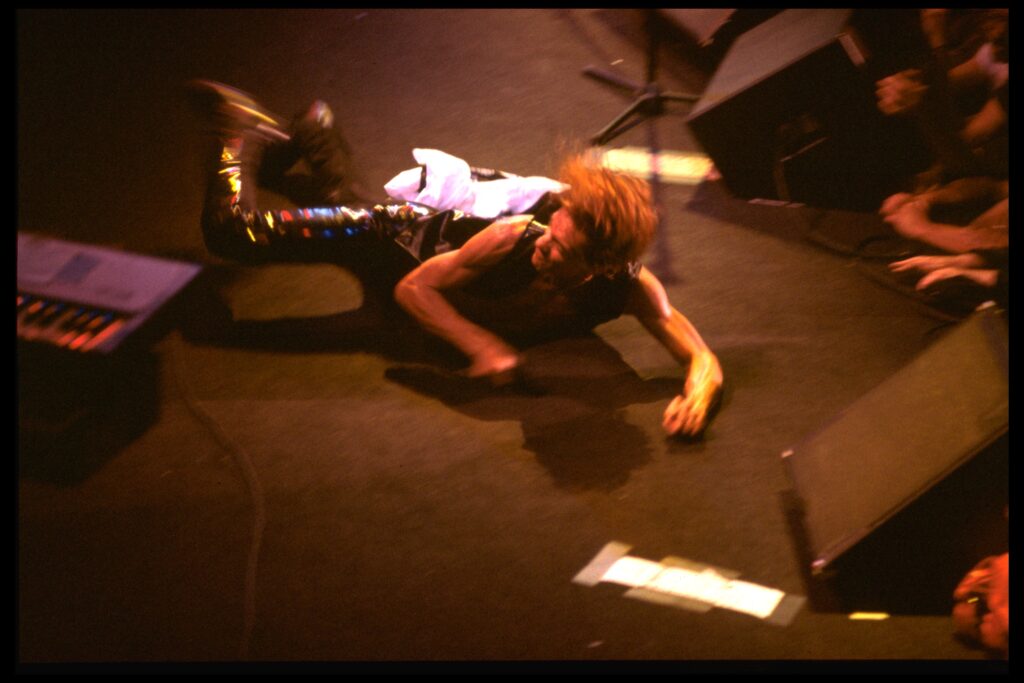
{"x":647,"y":298}
{"x":510,"y":227}
{"x":495,"y":241}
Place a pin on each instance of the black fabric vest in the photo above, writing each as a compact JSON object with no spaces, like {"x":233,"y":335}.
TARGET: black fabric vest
{"x":599,"y":299}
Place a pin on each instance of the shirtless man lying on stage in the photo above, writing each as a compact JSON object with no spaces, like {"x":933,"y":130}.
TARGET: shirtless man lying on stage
{"x":465,"y":278}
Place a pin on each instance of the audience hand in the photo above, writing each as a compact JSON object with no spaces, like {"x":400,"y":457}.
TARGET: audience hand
{"x":901,"y":92}
{"x":985,"y":278}
{"x":928,"y":264}
{"x":893,"y":203}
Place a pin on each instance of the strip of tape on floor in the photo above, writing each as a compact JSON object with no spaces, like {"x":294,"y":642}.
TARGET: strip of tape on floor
{"x":684,"y":168}
{"x":689,"y":585}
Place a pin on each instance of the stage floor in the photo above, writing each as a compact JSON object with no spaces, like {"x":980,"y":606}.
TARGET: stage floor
{"x":310,"y":492}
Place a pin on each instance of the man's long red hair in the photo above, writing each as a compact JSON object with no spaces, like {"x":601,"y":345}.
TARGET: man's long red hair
{"x":613,"y":210}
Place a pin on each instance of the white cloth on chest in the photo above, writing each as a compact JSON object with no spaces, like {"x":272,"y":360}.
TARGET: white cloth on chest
{"x":450,"y":185}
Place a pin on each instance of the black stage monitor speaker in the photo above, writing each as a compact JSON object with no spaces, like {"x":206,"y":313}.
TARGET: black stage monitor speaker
{"x":790,"y":115}
{"x":699,"y":24}
{"x":902,"y":438}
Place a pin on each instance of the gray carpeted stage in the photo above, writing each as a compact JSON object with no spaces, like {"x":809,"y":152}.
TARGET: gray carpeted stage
{"x":310,"y":490}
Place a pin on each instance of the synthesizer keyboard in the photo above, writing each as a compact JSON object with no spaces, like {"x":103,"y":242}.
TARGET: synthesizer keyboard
{"x":89,"y":299}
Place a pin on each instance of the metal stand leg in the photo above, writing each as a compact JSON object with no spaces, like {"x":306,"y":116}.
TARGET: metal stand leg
{"x":650,"y":98}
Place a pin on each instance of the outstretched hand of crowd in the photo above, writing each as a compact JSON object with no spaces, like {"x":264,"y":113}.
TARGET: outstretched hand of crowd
{"x":900,"y":93}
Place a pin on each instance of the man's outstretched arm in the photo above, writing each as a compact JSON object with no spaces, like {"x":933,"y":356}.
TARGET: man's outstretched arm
{"x":687,"y":413}
{"x":421,"y":294}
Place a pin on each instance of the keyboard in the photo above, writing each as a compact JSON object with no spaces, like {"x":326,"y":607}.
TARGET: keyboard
{"x":90,"y":299}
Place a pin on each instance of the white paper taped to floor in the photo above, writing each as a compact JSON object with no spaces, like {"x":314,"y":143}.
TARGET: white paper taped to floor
{"x":690,"y":585}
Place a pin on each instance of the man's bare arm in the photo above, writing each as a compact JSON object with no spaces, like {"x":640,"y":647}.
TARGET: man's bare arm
{"x":987,"y":231}
{"x":421,"y":294}
{"x":968,"y":74}
{"x":688,"y":412}
{"x":986,"y":123}
{"x":972,"y":189}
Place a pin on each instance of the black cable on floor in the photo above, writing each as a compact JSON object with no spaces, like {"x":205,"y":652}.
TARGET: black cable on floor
{"x":858,"y":252}
{"x":252,"y":482}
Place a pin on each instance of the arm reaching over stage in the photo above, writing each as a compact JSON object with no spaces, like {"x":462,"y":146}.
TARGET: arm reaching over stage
{"x":990,"y":230}
{"x":421,"y":294}
{"x":688,"y":413}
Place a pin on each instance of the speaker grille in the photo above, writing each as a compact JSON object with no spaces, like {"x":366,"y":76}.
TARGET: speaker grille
{"x":903,"y":437}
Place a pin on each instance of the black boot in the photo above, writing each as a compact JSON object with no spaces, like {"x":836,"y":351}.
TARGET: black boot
{"x":233,"y":112}
{"x":313,"y":136}
{"x":251,"y":147}
{"x":235,"y":229}
{"x":328,"y":154}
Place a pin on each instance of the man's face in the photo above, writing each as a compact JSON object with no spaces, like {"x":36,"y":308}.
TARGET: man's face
{"x":560,"y":250}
